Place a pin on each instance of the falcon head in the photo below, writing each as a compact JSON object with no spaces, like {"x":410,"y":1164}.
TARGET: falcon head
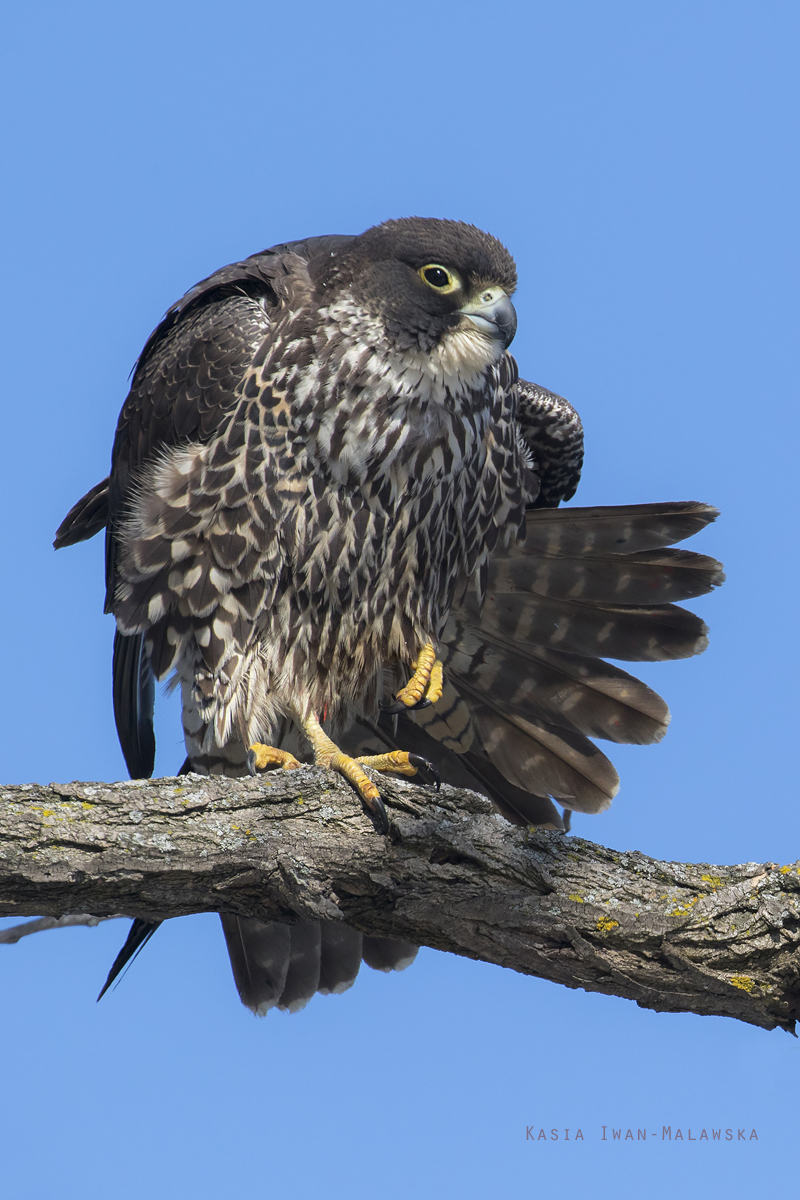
{"x":427,"y":281}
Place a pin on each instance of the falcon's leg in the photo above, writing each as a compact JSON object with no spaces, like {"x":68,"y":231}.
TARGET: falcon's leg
{"x":328,"y":754}
{"x":260,"y":757}
{"x":425,"y":685}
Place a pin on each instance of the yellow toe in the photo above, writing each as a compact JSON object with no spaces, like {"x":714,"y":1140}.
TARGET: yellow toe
{"x":270,"y":756}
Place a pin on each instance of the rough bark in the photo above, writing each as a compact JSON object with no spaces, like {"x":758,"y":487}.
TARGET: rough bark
{"x":674,"y":937}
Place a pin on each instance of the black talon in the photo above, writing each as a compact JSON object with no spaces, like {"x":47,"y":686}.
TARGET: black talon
{"x":251,"y":762}
{"x":377,"y":811}
{"x":422,"y":764}
{"x":393,"y":710}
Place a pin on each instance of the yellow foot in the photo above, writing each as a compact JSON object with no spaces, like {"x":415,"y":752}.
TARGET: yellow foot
{"x":328,"y":754}
{"x":425,"y":685}
{"x":433,"y":692}
{"x":260,"y":757}
{"x":396,"y":762}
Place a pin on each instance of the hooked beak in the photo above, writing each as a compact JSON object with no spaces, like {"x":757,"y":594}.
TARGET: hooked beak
{"x":493,"y":313}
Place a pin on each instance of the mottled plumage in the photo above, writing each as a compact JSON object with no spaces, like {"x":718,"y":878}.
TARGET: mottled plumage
{"x":326,"y":463}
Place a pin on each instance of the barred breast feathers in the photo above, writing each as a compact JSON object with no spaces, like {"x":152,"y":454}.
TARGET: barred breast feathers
{"x":213,"y":529}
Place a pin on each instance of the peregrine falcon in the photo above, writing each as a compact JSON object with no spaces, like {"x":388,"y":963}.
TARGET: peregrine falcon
{"x":332,"y":516}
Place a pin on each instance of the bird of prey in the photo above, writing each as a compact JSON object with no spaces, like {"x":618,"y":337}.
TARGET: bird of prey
{"x":332,"y":515}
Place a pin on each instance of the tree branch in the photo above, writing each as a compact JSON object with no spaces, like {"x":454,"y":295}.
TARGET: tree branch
{"x":10,"y":936}
{"x":674,"y":937}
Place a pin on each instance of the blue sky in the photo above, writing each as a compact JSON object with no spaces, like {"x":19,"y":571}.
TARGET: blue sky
{"x":640,"y":161}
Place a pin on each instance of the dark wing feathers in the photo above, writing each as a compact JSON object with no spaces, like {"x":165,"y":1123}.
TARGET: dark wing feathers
{"x":139,"y":935}
{"x":584,"y":695}
{"x":187,"y":380}
{"x":259,"y":276}
{"x":623,"y":528}
{"x":543,"y":758}
{"x":633,"y":633}
{"x":84,"y":519}
{"x":134,"y":703}
{"x":519,"y":806}
{"x":191,"y":373}
{"x":185,"y":383}
{"x":527,"y":684}
{"x":650,"y":577}
{"x":554,"y":433}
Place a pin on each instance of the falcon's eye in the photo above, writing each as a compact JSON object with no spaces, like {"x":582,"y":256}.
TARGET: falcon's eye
{"x":439,"y":278}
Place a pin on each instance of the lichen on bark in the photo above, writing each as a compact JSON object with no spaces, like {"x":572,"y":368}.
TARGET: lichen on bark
{"x":451,"y":874}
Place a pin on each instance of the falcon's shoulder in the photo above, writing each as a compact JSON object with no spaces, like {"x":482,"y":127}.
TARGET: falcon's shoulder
{"x":193,"y":369}
{"x":553,"y":432}
{"x":186,"y":378}
{"x":185,"y":382}
{"x":188,"y":375}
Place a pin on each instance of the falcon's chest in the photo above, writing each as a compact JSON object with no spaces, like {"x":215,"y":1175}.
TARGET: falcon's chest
{"x":383,"y":421}
{"x":386,"y":475}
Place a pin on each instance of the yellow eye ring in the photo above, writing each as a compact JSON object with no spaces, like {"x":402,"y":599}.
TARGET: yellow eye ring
{"x":439,"y":278}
